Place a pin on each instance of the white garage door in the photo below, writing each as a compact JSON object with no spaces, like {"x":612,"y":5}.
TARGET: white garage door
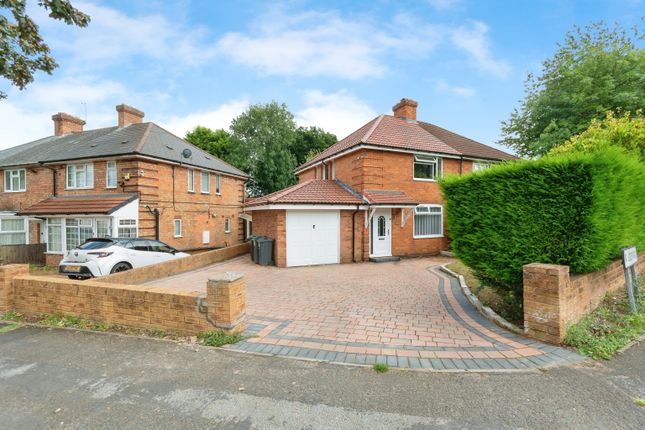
{"x":313,"y":237}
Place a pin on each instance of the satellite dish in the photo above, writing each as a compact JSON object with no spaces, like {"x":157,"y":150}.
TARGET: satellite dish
{"x":186,"y":153}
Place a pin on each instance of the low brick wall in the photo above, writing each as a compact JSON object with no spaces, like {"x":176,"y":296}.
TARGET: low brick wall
{"x":174,"y":267}
{"x":187,"y":313}
{"x":553,"y":300}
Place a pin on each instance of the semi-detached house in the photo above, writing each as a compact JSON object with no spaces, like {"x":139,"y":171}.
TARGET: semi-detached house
{"x":372,"y":195}
{"x":134,"y":179}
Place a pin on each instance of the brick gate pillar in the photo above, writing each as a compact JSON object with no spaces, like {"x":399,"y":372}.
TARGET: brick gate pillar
{"x":545,"y":301}
{"x":226,"y":298}
{"x":7,"y":273}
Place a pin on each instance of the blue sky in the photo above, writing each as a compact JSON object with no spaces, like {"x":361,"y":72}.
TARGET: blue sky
{"x":337,"y":64}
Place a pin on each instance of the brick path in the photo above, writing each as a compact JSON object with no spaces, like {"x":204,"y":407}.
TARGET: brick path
{"x":405,"y":314}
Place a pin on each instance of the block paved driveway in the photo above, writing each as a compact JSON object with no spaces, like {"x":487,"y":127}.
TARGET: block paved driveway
{"x":405,"y":314}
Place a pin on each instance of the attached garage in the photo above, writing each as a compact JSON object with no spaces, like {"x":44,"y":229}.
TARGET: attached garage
{"x":312,"y":237}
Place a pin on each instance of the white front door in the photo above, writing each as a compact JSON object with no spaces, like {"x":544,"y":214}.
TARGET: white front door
{"x":313,"y":237}
{"x":382,"y":233}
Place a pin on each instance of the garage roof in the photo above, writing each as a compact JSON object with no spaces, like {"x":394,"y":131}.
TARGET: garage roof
{"x":313,"y":191}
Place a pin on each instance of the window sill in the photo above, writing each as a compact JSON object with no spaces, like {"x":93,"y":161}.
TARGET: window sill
{"x":111,"y":188}
{"x":204,"y":192}
{"x":434,"y":236}
{"x":177,"y":237}
{"x":78,"y":188}
{"x":424,"y":180}
{"x":218,"y":194}
{"x":19,"y":191}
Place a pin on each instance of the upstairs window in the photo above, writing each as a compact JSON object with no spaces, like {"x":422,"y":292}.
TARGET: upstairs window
{"x":15,"y":180}
{"x":427,"y":168}
{"x":191,"y":180}
{"x":206,"y":183}
{"x":110,"y":174}
{"x":80,"y":176}
{"x":218,"y":184}
{"x":428,"y":221}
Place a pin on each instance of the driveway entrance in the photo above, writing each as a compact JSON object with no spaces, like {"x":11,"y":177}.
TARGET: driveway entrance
{"x":404,"y":314}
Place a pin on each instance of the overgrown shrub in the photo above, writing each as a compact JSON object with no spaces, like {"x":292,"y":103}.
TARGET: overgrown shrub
{"x":576,"y":209}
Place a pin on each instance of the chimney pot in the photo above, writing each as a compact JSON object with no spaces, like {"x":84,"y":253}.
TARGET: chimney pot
{"x":129,"y":115}
{"x":406,"y":109}
{"x":65,"y":123}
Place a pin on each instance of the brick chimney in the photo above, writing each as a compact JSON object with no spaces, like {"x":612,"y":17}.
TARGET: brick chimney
{"x":406,"y":109}
{"x":65,"y":123}
{"x":129,"y":115}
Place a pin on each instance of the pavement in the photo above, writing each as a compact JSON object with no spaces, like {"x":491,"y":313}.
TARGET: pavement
{"x":67,"y":379}
{"x":405,"y":314}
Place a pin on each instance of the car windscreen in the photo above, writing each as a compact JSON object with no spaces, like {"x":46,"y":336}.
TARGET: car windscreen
{"x":96,"y":244}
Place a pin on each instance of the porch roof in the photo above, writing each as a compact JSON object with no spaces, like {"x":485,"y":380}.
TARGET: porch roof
{"x":313,"y":191}
{"x":97,"y":204}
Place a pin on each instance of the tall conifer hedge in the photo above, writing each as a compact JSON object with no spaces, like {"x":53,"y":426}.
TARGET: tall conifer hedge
{"x":577,"y":210}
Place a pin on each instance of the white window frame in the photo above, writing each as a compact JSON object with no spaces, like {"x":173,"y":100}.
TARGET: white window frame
{"x":478,"y":166}
{"x":206,"y":182}
{"x":89,"y":172}
{"x":25,"y":227}
{"x":428,"y":160}
{"x":175,"y":224}
{"x":122,"y":225}
{"x":82,"y":223}
{"x":227,"y":225}
{"x":191,"y":180}
{"x":108,"y":167}
{"x":8,"y":184}
{"x":61,"y":226}
{"x":218,"y":185}
{"x":428,"y":205}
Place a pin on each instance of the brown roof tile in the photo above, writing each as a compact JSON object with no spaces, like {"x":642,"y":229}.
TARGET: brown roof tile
{"x":80,"y":205}
{"x":313,"y":191}
{"x":391,"y":132}
{"x":380,"y":197}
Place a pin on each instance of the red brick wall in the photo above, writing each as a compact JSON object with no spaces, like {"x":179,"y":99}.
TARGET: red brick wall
{"x":553,"y":300}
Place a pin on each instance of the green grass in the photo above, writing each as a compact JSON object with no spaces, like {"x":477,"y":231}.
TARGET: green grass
{"x":218,"y":338}
{"x":609,"y":328}
{"x":60,"y":320}
{"x":9,"y":327}
{"x":640,"y":402}
{"x":11,"y":316}
{"x":380,"y":368}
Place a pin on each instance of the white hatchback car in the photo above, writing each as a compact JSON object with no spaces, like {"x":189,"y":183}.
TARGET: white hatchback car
{"x":102,"y":256}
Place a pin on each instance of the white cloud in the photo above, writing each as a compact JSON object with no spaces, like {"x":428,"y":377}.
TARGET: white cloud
{"x":443,"y":87}
{"x":340,"y":113}
{"x":444,"y":4}
{"x":113,"y":37}
{"x":218,"y":118}
{"x":474,"y":41}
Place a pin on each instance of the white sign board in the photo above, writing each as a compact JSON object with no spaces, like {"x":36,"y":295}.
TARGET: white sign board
{"x":630,"y":257}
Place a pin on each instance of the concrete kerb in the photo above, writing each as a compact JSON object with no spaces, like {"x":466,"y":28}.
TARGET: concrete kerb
{"x":485,"y":311}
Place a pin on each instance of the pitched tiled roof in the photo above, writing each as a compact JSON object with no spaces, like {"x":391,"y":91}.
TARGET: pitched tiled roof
{"x":313,"y":191}
{"x":78,"y":205}
{"x":390,"y":132}
{"x":380,"y":197}
{"x":146,"y":139}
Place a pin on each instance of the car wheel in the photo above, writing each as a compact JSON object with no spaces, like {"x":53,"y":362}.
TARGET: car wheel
{"x":120,"y":267}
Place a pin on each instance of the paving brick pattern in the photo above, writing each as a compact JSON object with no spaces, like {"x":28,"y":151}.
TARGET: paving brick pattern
{"x":405,"y":314}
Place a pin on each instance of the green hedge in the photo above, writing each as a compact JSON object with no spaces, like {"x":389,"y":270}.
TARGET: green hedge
{"x":577,"y":210}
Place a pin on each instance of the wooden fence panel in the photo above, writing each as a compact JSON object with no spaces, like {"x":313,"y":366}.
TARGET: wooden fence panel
{"x":22,"y":254}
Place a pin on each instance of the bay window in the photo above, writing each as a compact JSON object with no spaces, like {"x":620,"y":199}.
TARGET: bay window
{"x":428,"y":221}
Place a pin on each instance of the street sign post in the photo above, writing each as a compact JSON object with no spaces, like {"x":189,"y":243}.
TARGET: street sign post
{"x":630,"y":258}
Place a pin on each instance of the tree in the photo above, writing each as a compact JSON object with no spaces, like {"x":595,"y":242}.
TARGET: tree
{"x":22,"y":49}
{"x":596,"y":70}
{"x":217,"y":142}
{"x":262,"y":137}
{"x":626,"y":132}
{"x":311,"y":140}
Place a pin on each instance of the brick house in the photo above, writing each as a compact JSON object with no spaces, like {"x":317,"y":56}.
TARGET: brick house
{"x":372,"y":195}
{"x":134,"y":179}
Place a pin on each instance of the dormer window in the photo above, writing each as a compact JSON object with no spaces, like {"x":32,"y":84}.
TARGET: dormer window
{"x":427,"y":168}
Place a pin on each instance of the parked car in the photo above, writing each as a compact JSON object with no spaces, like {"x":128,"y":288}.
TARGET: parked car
{"x":102,"y":256}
